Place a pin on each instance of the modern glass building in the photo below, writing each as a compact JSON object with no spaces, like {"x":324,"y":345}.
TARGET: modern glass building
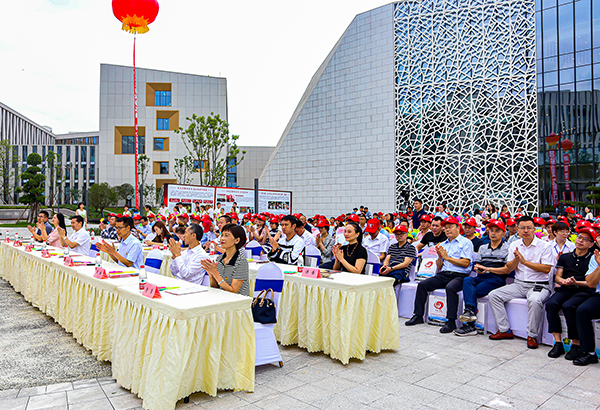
{"x":568,"y":86}
{"x":453,"y":101}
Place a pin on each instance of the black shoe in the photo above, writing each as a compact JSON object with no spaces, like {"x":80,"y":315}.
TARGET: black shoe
{"x":585,"y":359}
{"x":415,"y":320}
{"x":468,"y":316}
{"x":574,"y":353}
{"x":468,"y":329}
{"x":557,"y":350}
{"x":448,"y":327}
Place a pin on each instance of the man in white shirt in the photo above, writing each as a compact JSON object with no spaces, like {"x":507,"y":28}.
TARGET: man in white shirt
{"x":186,"y":263}
{"x":79,"y":241}
{"x":130,"y":249}
{"x":531,"y":259}
{"x":286,"y":246}
{"x":306,"y":236}
{"x":374,"y":240}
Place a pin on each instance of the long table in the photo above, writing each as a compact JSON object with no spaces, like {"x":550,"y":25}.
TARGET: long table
{"x":344,"y":316}
{"x":162,"y":349}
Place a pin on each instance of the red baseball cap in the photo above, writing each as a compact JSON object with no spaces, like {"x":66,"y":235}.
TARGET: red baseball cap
{"x":274,"y":220}
{"x":235,"y":216}
{"x":372,"y":226}
{"x":497,"y":224}
{"x":248,"y":216}
{"x":119,"y":216}
{"x":539,"y":221}
{"x":425,"y":218}
{"x":510,"y":222}
{"x":578,"y":216}
{"x":297,"y":216}
{"x":470,"y":222}
{"x":505,"y":215}
{"x":137,"y":217}
{"x":517,"y":216}
{"x":550,"y":222}
{"x":450,"y":220}
{"x":590,"y":232}
{"x":400,"y":229}
{"x":596,"y":225}
{"x":583,"y":224}
{"x":151,"y":215}
{"x":323,"y":223}
{"x":570,"y":210}
{"x":562,"y":218}
{"x":184,"y":216}
{"x":261,"y":217}
{"x":353,"y":218}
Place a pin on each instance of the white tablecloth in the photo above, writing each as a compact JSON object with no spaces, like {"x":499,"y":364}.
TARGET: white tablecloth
{"x":161,"y":349}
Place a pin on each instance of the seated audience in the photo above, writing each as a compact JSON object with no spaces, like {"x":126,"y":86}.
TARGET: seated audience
{"x":491,"y":274}
{"x":374,"y":240}
{"x":586,"y":313}
{"x":325,"y":244}
{"x":454,"y":264}
{"x":79,"y":241}
{"x":42,"y":225}
{"x":400,"y":256}
{"x":531,"y":259}
{"x":53,"y":238}
{"x":286,"y":246}
{"x":469,"y":227}
{"x":571,"y":291}
{"x":130,"y":248}
{"x":230,"y":272}
{"x":353,"y":256}
{"x":160,"y":234}
{"x":433,"y":237}
{"x":187,"y":263}
{"x":110,"y":232}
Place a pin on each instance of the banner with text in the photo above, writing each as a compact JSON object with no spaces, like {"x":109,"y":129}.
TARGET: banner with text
{"x":275,"y":202}
{"x":552,"y":157}
{"x":243,"y":198}
{"x":189,"y":195}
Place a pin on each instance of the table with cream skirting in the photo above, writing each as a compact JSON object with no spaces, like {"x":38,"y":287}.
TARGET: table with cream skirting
{"x":157,"y":347}
{"x":344,"y":317}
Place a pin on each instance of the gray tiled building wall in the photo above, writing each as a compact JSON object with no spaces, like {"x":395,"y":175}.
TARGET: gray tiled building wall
{"x":338,"y":149}
{"x":252,"y":165}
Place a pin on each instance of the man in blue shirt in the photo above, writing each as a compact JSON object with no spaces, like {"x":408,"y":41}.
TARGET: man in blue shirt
{"x":455,"y":255}
{"x":130,"y":249}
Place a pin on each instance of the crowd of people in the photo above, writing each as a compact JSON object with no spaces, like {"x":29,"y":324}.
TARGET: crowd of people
{"x":553,"y":263}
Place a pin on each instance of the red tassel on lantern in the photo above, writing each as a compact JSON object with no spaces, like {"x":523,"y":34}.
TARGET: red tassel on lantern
{"x":135,"y":14}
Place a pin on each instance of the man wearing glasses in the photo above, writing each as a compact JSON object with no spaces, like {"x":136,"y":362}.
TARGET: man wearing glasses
{"x":531,"y":259}
{"x":130,"y":248}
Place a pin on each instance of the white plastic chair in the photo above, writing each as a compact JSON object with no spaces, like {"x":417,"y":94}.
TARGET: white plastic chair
{"x":153,"y":261}
{"x":312,"y":256}
{"x":94,"y":251}
{"x":373,"y":264}
{"x":269,"y":276}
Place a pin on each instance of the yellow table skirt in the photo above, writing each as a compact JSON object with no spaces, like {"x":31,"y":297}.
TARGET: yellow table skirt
{"x":164,"y":359}
{"x":343,"y":324}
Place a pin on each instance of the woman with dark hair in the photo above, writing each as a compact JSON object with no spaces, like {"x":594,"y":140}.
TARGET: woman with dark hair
{"x":53,"y":239}
{"x":258,"y":232}
{"x":230,"y":272}
{"x":352,"y":257}
{"x":160,"y":232}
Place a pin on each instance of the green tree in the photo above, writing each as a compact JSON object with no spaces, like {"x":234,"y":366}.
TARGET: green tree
{"x":75,"y":194}
{"x":33,"y":185}
{"x":183,"y":169}
{"x":205,"y":139}
{"x":101,"y":196}
{"x":7,"y":172}
{"x":125,"y":190}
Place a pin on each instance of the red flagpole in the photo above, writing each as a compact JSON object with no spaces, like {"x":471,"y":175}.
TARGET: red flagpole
{"x":135,"y":110}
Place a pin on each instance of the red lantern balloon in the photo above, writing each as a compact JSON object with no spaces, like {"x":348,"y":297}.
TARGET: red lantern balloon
{"x":552,"y":139}
{"x":135,"y":14}
{"x":566,"y":145}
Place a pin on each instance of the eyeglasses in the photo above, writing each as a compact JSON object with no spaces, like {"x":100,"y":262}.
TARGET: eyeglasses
{"x":527,"y":228}
{"x":583,"y":238}
{"x":118,"y":228}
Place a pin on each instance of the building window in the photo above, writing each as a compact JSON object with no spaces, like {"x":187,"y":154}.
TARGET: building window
{"x":15,"y":158}
{"x":159,"y":144}
{"x":76,"y":176}
{"x":76,"y":155}
{"x":83,"y":156}
{"x":92,"y":175}
{"x":162,"y":124}
{"x":164,"y":167}
{"x":232,"y":180}
{"x":231,"y":165}
{"x":59,"y":153}
{"x":92,"y":155}
{"x":162,"y":98}
{"x":128,"y":146}
{"x":34,"y":149}
{"x":68,"y":155}
{"x":24,"y":159}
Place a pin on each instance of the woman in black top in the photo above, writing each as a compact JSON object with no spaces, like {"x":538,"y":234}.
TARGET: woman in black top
{"x":352,"y":257}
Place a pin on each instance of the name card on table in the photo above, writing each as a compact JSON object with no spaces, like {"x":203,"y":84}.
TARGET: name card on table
{"x":17,"y":243}
{"x":156,"y":247}
{"x":151,"y":291}
{"x":100,"y":273}
{"x":313,"y":273}
{"x":68,"y":261}
{"x":45,"y":253}
{"x":28,"y":248}
{"x":7,"y":240}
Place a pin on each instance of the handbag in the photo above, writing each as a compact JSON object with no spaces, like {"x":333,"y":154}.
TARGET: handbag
{"x":263,"y":308}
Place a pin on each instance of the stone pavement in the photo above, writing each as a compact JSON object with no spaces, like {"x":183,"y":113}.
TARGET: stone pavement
{"x":430,"y":371}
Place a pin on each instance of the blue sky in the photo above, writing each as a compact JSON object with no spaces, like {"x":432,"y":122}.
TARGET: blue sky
{"x":51,"y":51}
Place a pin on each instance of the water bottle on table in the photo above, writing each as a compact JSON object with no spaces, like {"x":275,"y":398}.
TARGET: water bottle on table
{"x":143,"y":278}
{"x":98,"y":261}
{"x":66,"y":251}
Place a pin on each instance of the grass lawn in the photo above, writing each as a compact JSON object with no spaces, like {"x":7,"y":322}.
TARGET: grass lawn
{"x":17,"y":225}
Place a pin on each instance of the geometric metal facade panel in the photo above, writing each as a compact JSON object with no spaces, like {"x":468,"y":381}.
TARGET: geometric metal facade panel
{"x":466,"y":119}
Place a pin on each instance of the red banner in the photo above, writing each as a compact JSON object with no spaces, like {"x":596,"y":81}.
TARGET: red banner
{"x":567,"y":164}
{"x":552,"y":156}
